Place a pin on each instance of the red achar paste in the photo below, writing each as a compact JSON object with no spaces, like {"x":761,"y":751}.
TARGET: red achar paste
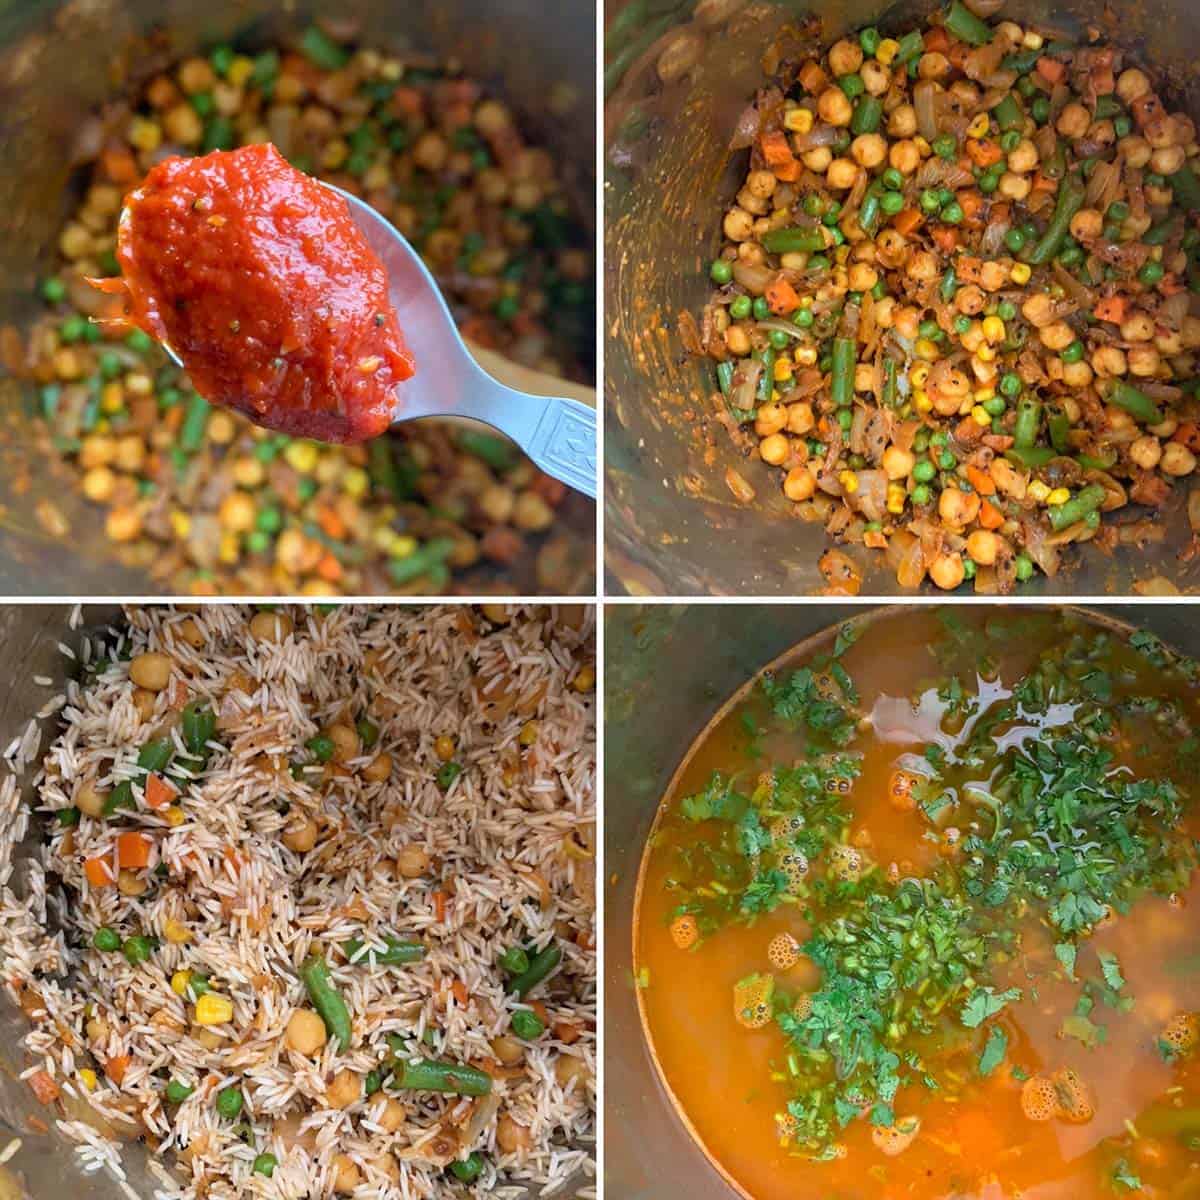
{"x":259,"y":280}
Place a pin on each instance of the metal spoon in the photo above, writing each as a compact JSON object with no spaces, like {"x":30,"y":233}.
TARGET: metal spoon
{"x":558,"y":434}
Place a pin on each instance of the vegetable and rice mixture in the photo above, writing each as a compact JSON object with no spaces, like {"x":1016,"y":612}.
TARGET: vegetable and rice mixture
{"x":957,"y":298}
{"x":314,"y":907}
{"x":199,"y":497}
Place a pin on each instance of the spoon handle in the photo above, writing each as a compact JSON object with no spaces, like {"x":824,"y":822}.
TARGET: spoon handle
{"x":564,"y":443}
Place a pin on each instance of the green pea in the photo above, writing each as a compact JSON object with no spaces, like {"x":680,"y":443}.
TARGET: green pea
{"x":468,"y":1169}
{"x":921,"y":494}
{"x":739,"y":310}
{"x":921,"y":440}
{"x":54,"y":291}
{"x":721,"y":271}
{"x":989,"y":182}
{"x":321,"y":747}
{"x":222,"y":59}
{"x":178,"y":1092}
{"x":947,"y":461}
{"x":760,"y":308}
{"x":137,"y":949}
{"x":1024,"y":566}
{"x":952,"y":214}
{"x":1074,"y":352}
{"x":1150,"y":273}
{"x":803,"y":317}
{"x":962,"y":324}
{"x":891,"y":203}
{"x":930,"y":202}
{"x":924,"y":471}
{"x":368,"y":732}
{"x":852,"y":85}
{"x":1040,"y":110}
{"x":994,"y":406}
{"x":1071,"y":256}
{"x":778,"y":339}
{"x":1006,"y":310}
{"x":1118,"y":211}
{"x":845,"y":419}
{"x":1010,"y":383}
{"x":1014,"y":239}
{"x":869,"y":40}
{"x":969,"y":568}
{"x":265,"y":1164}
{"x":1010,"y":140}
{"x":140,"y":342}
{"x":447,"y":773}
{"x":110,"y":365}
{"x":945,"y":145}
{"x":526,"y":1024}
{"x":832,"y":213}
{"x":229,"y":1102}
{"x":813,"y":205}
{"x":818,"y":262}
{"x":72,"y":329}
{"x":106,"y":939}
{"x":892,"y":179}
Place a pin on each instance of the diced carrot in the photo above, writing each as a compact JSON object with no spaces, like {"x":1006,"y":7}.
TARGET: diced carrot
{"x":478,"y":329}
{"x":159,"y":793}
{"x":542,"y":1011}
{"x":407,"y":102}
{"x":971,"y":202}
{"x":907,"y":221}
{"x":990,"y":517}
{"x":1147,"y":110}
{"x":116,"y":1067}
{"x":133,"y":850}
{"x":1050,"y":69}
{"x":439,"y":906}
{"x":981,"y":481}
{"x":329,"y":568}
{"x":43,"y":1087}
{"x":876,"y":539}
{"x":567,"y":1032}
{"x":460,"y":993}
{"x":983,"y":153}
{"x":118,"y":163}
{"x":99,"y":872}
{"x":812,"y":78}
{"x":1170,"y":284}
{"x":782,"y":297}
{"x":789,"y":172}
{"x":552,"y":490}
{"x":1188,"y":434}
{"x":945,"y":237}
{"x":1111,"y":308}
{"x":1043,"y":183}
{"x":775,"y":148}
{"x":331,"y":524}
{"x":937,"y":40}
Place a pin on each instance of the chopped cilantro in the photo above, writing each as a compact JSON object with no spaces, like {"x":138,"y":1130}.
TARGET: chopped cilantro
{"x":1123,"y":1179}
{"x":985,"y":1002}
{"x":993,"y":1051}
{"x":1066,"y":952}
{"x":1112,"y":970}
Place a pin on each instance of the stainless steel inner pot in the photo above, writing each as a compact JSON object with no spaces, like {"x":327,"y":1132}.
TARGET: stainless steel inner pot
{"x":681,"y":663}
{"x":675,"y":88}
{"x":58,"y":60}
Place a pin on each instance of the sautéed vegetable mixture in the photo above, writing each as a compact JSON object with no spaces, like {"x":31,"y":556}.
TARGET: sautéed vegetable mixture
{"x":925,"y":900}
{"x":956,"y":297}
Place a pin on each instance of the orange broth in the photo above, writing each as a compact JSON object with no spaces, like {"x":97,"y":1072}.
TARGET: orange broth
{"x":974,"y":1141}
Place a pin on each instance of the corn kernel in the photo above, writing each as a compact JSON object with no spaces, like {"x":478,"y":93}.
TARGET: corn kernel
{"x":1038,"y":491}
{"x":180,"y":981}
{"x":112,"y":398}
{"x":302,"y":457}
{"x":921,"y":401}
{"x":181,"y":524}
{"x":887,"y":50}
{"x":918,"y":375}
{"x":979,"y":126}
{"x":993,"y":329}
{"x":895,"y":498}
{"x":798,"y":120}
{"x":221,"y":428}
{"x":849,"y":482}
{"x":983,"y":394}
{"x":213,"y":1010}
{"x":783,"y":370}
{"x":585,"y":678}
{"x":1060,"y":495}
{"x":145,"y":135}
{"x":986,"y":354}
{"x":925,"y":348}
{"x":402,"y":545}
{"x":1032,"y":41}
{"x":981,"y":415}
{"x":923,"y":147}
{"x":528,"y":734}
{"x":805,"y":356}
{"x":240,"y":70}
{"x":175,"y":931}
{"x":88,"y":1078}
{"x":1021,"y":272}
{"x":443,"y":747}
{"x":228,"y":549}
{"x":355,"y":482}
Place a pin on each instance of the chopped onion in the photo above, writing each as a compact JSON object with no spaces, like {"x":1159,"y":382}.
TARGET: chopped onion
{"x":745,"y":384}
{"x":1083,"y":296}
{"x":984,"y":8}
{"x":1104,"y":184}
{"x":781,"y":325}
{"x":819,"y":135}
{"x":1193,"y":509}
{"x":746,"y":130}
{"x":925,"y":103}
{"x":753,"y":277}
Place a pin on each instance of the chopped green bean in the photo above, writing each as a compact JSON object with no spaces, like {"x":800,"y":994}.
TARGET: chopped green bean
{"x":326,"y":999}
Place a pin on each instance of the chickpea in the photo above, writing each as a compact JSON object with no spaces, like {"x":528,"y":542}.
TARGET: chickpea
{"x":904,"y":156}
{"x":90,"y":800}
{"x":1146,"y":452}
{"x":512,"y":1137}
{"x":1190,"y":333}
{"x":1108,"y":361}
{"x":346,"y":744}
{"x":1135,"y":150}
{"x":842,"y":174}
{"x":897,"y":463}
{"x":884,"y":312}
{"x":984,"y":547}
{"x":993,"y":276}
{"x":834,"y":108}
{"x":130,"y":883}
{"x":869,"y":150}
{"x":947,"y":571}
{"x":1056,"y":336}
{"x":346,"y":1175}
{"x":300,"y":833}
{"x":1131,"y":84}
{"x":845,"y":57}
{"x":902,"y":121}
{"x":1144,"y":361}
{"x":1023,"y":158}
{"x":958,"y":508}
{"x":393,"y":1116}
{"x":1177,"y":459}
{"x":818,"y":158}
{"x":99,"y":484}
{"x":758,"y":205}
{"x":737,"y":341}
{"x":876,"y":78}
{"x":150,"y":671}
{"x":1076,"y":375}
{"x":738,"y":225}
{"x":1087,"y":223}
{"x":1014,"y":187}
{"x":1167,"y":160}
{"x":1073,"y":121}
{"x":800,"y":417}
{"x":378,"y":769}
{"x":508,"y":1050}
{"x":923,"y":267}
{"x":344,"y":1089}
{"x":569,"y":1069}
{"x":906,"y":321}
{"x":862,"y":277}
{"x":412,"y":861}
{"x":774,"y":449}
{"x":144,"y":701}
{"x":761,"y":184}
{"x":305,"y":1033}
{"x":771,"y":419}
{"x":271,"y":626}
{"x":799,"y":484}
{"x":933,"y":65}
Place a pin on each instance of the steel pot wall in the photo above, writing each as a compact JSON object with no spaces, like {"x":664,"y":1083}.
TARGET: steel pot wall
{"x":680,"y":663}
{"x":672,"y":526}
{"x":59,"y":60}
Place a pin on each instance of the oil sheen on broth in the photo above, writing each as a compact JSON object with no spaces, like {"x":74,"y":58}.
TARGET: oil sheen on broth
{"x":918,"y":918}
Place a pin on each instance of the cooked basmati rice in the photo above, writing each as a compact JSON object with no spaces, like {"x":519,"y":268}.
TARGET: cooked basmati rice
{"x":509,"y":863}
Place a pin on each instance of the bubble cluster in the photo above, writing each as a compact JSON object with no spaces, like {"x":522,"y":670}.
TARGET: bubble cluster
{"x":685,"y":933}
{"x":900,"y":790}
{"x":783,"y":952}
{"x":1182,"y":1032}
{"x":752,"y":1000}
{"x":896,"y":1138}
{"x":794,"y":866}
{"x":783,"y":829}
{"x":1075,"y":1100}
{"x":1039,"y":1098}
{"x":845,"y":863}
